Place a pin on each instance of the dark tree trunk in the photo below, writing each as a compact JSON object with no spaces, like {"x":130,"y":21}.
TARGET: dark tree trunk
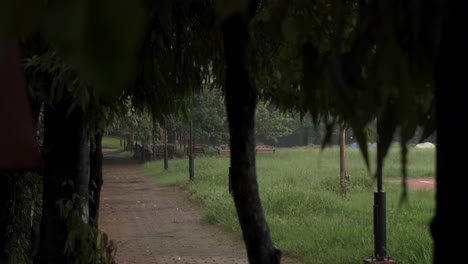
{"x":449,"y":228}
{"x":166,"y":161}
{"x":65,"y":174}
{"x":95,"y":179}
{"x":171,"y":136}
{"x":153,"y":144}
{"x":130,"y":142}
{"x":305,"y":136}
{"x":241,"y":101}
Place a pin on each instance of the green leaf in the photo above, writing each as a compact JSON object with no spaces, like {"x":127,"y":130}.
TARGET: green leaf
{"x":100,"y":39}
{"x":19,"y":16}
{"x":226,"y":8}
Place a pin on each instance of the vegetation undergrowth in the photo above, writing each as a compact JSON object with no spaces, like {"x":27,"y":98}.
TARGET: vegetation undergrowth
{"x":300,"y":193}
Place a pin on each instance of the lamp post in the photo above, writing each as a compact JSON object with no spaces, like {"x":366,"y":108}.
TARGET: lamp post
{"x":191,"y":165}
{"x":380,"y":217}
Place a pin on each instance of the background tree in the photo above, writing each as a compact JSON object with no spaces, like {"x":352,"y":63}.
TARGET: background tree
{"x":209,"y":117}
{"x":270,"y":123}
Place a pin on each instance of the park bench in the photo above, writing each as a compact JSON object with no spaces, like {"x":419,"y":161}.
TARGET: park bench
{"x":224,"y":151}
{"x":264,"y":149}
{"x":159,"y":151}
{"x":141,"y":152}
{"x":196,"y":150}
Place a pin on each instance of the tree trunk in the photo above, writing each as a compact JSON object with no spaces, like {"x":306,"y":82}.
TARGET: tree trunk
{"x":449,"y":228}
{"x":343,"y":179}
{"x":153,"y":144}
{"x":241,"y":101}
{"x":166,"y":162}
{"x":65,"y":174}
{"x":95,"y":179}
{"x":305,"y":136}
{"x":130,"y":142}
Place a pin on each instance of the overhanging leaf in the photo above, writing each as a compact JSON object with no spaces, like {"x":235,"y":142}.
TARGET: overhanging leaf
{"x":226,"y":8}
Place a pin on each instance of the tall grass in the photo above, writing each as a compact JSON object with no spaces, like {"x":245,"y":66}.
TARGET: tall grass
{"x":299,"y":189}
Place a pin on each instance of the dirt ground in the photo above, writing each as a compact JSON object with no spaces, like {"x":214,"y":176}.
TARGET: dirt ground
{"x":152,"y":224}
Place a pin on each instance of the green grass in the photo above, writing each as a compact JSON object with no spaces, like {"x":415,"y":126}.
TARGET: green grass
{"x":111,"y":142}
{"x":300,"y":195}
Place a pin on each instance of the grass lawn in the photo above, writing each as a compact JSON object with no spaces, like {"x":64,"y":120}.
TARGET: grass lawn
{"x":299,"y":188}
{"x":111,"y":142}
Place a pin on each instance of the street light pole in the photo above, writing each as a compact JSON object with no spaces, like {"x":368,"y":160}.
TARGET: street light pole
{"x":380,"y":217}
{"x":191,"y":165}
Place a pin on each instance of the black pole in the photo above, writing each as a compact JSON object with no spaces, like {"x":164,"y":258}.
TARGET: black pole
{"x":166,"y":162}
{"x":191,"y":163}
{"x":380,"y":226}
{"x":380,"y":218}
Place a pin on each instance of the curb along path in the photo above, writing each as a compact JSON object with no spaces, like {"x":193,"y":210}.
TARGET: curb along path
{"x":152,"y":224}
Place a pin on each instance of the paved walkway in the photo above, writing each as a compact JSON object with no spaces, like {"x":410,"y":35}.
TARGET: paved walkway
{"x":152,"y":224}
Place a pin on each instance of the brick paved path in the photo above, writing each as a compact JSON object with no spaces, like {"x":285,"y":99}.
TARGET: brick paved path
{"x":152,"y":224}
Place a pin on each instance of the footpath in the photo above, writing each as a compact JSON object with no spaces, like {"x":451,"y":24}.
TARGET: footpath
{"x":152,"y":224}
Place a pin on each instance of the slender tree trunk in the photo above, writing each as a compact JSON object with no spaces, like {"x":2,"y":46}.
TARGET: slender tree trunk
{"x":95,"y":179}
{"x":343,"y":161}
{"x":166,"y":162}
{"x":65,"y":174}
{"x":305,"y":136}
{"x":130,"y":142}
{"x":241,"y":101}
{"x":185,"y":141}
{"x":153,"y":144}
{"x":449,"y":228}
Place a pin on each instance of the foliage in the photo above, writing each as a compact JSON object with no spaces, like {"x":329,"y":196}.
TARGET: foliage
{"x":351,"y":61}
{"x":270,"y":124}
{"x":140,"y":125}
{"x":302,"y":202}
{"x":85,"y":244}
{"x":210,"y":121}
{"x":179,"y":50}
{"x":23,"y":214}
{"x":97,"y":42}
{"x":209,"y":117}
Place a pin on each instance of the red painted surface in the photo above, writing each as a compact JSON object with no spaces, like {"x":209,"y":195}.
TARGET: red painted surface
{"x":419,"y":183}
